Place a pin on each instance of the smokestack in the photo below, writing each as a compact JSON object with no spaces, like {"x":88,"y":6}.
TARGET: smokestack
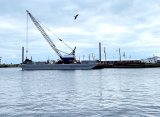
{"x":22,"y":54}
{"x":99,"y":51}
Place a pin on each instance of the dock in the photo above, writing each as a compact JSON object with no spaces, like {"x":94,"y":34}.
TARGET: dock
{"x":126,"y":64}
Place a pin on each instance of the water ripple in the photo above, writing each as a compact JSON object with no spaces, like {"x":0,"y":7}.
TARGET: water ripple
{"x":96,"y":93}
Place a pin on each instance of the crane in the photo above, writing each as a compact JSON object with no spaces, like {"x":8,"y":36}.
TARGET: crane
{"x":67,"y":58}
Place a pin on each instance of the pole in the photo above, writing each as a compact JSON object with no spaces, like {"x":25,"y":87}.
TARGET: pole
{"x":119,"y":54}
{"x":22,"y":54}
{"x":105,"y":53}
{"x":26,"y":37}
{"x":92,"y":56}
{"x":100,"y":51}
{"x":83,"y":57}
{"x":0,"y":59}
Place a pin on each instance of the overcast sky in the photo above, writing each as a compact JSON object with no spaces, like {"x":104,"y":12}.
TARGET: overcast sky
{"x":132,"y":25}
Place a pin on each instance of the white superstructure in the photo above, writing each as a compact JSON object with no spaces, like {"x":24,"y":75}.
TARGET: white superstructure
{"x":154,"y":59}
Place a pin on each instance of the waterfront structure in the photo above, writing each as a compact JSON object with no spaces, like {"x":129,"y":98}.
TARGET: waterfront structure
{"x":66,"y":62}
{"x":154,"y":59}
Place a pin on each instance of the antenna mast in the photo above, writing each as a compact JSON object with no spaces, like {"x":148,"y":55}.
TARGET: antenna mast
{"x":27,"y":36}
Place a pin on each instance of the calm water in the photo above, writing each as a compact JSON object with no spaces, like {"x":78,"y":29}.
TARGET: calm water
{"x":96,"y":93}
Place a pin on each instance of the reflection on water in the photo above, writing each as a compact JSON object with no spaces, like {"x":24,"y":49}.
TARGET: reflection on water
{"x":105,"y":92}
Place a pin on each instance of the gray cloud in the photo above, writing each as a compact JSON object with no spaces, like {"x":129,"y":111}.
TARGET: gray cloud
{"x":132,"y":25}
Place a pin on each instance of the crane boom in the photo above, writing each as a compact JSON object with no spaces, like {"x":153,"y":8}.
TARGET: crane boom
{"x":39,"y":27}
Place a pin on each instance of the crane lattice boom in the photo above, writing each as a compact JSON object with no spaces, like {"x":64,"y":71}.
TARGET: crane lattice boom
{"x":66,"y":59}
{"x":39,"y":27}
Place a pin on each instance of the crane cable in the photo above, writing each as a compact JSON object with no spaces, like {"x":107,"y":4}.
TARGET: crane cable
{"x":52,"y":34}
{"x":27,"y":36}
{"x":56,"y":36}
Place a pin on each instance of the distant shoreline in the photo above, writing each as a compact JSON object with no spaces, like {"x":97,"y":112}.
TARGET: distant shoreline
{"x":8,"y":65}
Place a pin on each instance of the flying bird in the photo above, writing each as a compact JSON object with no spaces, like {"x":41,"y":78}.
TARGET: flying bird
{"x":75,"y":17}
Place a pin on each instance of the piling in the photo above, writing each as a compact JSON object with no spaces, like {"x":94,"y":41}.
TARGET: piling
{"x":22,"y":54}
{"x":99,"y":51}
{"x":0,"y":59}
